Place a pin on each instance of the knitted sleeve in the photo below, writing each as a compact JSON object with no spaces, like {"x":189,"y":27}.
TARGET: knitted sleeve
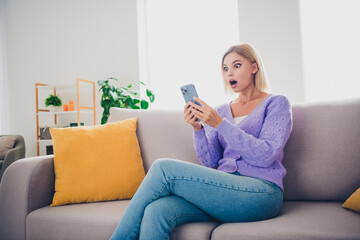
{"x":276,"y":129}
{"x":207,"y":147}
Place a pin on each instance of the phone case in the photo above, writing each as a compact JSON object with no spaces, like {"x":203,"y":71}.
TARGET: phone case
{"x":189,"y":92}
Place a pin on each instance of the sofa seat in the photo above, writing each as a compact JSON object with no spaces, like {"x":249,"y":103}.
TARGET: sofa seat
{"x":95,"y":221}
{"x":298,"y":220}
{"x":76,"y":221}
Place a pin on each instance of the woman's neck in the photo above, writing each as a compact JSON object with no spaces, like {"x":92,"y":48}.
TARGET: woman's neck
{"x":248,"y":96}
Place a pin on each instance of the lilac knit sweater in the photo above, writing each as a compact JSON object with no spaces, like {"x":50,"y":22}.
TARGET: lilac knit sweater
{"x":254,"y":147}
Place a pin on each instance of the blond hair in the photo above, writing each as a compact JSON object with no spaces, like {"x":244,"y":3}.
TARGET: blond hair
{"x":247,"y":51}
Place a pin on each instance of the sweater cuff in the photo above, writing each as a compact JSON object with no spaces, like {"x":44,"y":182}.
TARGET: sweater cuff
{"x":198,"y":133}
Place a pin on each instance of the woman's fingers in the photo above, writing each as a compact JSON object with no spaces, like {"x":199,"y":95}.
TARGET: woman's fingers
{"x":196,"y":107}
{"x":186,"y":107}
{"x":190,"y":117}
{"x":204,"y":104}
{"x":189,"y":114}
{"x":205,"y":113}
{"x":199,"y":115}
{"x":200,"y":110}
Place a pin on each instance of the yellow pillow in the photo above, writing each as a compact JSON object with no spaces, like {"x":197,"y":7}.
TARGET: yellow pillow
{"x":98,"y":163}
{"x":353,"y":202}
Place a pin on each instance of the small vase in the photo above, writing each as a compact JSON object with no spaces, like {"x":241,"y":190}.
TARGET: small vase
{"x":54,"y":108}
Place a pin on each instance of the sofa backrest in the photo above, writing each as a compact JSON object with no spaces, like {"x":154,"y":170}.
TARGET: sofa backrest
{"x":161,"y":134}
{"x":322,"y":156}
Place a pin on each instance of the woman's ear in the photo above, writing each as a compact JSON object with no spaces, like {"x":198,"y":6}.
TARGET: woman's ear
{"x":255,"y":68}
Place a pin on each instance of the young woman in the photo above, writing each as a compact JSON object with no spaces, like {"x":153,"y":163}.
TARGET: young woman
{"x":240,"y":145}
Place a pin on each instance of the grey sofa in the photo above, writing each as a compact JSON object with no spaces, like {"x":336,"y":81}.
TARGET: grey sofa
{"x":322,"y":158}
{"x":16,"y":153}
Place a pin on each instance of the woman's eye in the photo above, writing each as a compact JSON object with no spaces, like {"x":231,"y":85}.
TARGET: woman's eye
{"x":225,"y":68}
{"x":237,"y":65}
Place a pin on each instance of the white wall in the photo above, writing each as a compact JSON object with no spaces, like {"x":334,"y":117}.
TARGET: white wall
{"x":331,"y":37}
{"x":273,"y":27}
{"x":183,"y":50}
{"x":4,"y":116}
{"x":55,"y":42}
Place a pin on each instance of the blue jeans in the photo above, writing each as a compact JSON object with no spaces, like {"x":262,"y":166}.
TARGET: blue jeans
{"x":176,"y":192}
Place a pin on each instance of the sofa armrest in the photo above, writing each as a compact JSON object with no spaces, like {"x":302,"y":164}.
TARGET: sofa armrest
{"x":16,"y":153}
{"x":27,"y":184}
{"x":11,"y":156}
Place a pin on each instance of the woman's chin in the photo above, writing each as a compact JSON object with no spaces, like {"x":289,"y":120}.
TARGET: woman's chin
{"x":236,"y":89}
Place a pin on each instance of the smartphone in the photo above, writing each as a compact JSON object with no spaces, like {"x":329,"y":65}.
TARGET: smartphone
{"x":189,"y":91}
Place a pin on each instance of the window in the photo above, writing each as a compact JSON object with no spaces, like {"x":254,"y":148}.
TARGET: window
{"x":183,"y":41}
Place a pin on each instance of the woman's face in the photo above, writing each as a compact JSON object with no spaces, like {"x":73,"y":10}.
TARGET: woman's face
{"x":238,"y":72}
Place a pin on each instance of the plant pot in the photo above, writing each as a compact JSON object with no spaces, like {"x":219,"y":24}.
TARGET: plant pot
{"x":54,"y":108}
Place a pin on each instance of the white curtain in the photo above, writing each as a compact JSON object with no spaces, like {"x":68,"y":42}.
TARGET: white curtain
{"x":4,"y":113}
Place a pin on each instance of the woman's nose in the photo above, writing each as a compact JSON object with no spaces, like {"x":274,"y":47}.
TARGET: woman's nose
{"x":229,"y":73}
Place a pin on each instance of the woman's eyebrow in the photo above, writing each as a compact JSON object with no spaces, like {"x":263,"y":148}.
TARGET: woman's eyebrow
{"x":224,"y":65}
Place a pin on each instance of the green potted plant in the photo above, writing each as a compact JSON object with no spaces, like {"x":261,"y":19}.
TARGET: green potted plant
{"x":53,"y":102}
{"x":123,"y":97}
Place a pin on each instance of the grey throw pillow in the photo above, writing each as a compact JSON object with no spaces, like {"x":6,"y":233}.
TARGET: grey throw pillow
{"x":6,"y":143}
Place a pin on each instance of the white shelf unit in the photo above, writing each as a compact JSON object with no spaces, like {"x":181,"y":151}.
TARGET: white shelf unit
{"x":85,"y":108}
{"x":65,"y":113}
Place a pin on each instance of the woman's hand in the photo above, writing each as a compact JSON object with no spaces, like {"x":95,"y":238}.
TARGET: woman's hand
{"x":190,"y":118}
{"x":205,"y":113}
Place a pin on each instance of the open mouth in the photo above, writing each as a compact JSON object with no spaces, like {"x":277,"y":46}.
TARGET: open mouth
{"x":233,"y":82}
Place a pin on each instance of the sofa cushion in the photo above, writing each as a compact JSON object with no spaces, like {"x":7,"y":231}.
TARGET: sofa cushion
{"x":322,"y":154}
{"x":98,"y":163}
{"x":78,"y":221}
{"x":297,"y":220}
{"x":95,"y":221}
{"x":6,"y":143}
{"x":194,"y":231}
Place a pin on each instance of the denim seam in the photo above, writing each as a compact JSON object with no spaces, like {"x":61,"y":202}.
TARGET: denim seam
{"x":160,"y":191}
{"x":220,"y":185}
